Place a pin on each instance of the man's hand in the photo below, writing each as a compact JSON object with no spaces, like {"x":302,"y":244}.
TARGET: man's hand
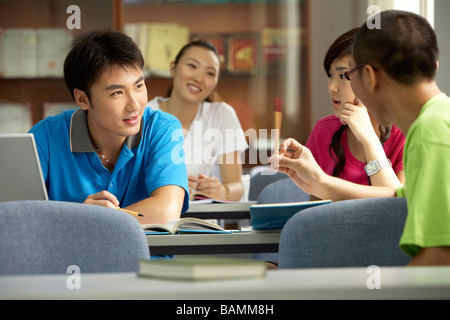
{"x":103,"y":199}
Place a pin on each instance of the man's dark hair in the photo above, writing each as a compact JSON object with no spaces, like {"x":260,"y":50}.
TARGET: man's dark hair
{"x":94,"y":53}
{"x":405,"y":46}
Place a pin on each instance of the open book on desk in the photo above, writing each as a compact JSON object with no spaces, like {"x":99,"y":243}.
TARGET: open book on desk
{"x":184,"y":225}
{"x":275,"y":215}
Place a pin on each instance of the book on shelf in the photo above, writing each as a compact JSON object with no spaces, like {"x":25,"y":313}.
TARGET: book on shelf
{"x":15,"y":117}
{"x":202,"y":268}
{"x":54,"y":108}
{"x":243,"y":51}
{"x":163,"y":43}
{"x":53,"y":45}
{"x":159,"y":44}
{"x":32,"y":53}
{"x":274,"y":215}
{"x":184,"y":225}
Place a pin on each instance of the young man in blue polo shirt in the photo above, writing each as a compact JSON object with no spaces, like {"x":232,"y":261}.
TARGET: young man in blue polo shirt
{"x":112,"y":151}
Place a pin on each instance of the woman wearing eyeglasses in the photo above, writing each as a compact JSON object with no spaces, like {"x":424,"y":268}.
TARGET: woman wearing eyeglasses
{"x":349,"y":144}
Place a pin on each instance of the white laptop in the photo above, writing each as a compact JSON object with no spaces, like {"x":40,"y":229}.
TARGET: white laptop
{"x":20,"y":171}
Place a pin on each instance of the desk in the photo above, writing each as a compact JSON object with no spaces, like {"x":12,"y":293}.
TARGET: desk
{"x":240,"y":242}
{"x":341,"y":283}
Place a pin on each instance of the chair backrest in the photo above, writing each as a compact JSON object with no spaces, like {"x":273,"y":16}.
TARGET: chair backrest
{"x":43,"y":237}
{"x":353,"y":233}
{"x":283,"y":190}
{"x":260,"y":179}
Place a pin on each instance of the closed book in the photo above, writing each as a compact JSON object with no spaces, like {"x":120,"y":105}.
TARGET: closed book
{"x":18,"y":52}
{"x":53,"y":45}
{"x":15,"y":118}
{"x":164,"y":40}
{"x":202,"y":268}
{"x":275,"y":215}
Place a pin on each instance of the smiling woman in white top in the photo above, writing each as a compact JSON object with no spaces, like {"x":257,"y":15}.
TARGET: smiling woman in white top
{"x":213,"y":134}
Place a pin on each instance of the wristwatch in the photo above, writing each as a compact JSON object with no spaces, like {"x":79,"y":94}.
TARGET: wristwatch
{"x":373,"y":167}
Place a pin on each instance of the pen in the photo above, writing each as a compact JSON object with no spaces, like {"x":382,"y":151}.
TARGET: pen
{"x":136,"y":214}
{"x":278,"y":106}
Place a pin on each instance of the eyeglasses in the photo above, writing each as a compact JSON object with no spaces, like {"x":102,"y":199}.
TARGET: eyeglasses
{"x":347,"y":74}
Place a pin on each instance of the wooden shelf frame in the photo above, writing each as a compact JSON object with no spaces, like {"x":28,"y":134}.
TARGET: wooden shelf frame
{"x":250,"y":95}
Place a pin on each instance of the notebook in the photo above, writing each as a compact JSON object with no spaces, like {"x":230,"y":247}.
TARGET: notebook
{"x":20,"y":171}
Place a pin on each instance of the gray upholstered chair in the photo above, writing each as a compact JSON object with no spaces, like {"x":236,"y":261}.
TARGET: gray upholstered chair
{"x":43,"y":237}
{"x":283,"y":190}
{"x":354,"y":233}
{"x":260,"y":177}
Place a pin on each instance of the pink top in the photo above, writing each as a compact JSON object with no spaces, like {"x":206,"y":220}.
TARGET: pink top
{"x":319,"y":143}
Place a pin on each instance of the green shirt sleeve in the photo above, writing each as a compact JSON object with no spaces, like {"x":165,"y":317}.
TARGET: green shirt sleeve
{"x":401,"y":191}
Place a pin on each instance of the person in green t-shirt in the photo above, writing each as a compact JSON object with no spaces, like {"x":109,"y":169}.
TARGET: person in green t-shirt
{"x":393,"y":72}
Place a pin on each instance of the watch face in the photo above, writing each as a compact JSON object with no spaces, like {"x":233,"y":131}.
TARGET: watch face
{"x":373,"y":166}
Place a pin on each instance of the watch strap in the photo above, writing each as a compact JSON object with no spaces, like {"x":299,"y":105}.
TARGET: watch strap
{"x":385,"y":162}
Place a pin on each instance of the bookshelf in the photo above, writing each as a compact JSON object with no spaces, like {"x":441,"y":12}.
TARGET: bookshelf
{"x":250,"y":93}
{"x":47,"y":14}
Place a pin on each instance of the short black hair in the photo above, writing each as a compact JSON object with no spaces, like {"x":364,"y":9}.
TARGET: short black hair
{"x":95,"y":52}
{"x":405,"y":46}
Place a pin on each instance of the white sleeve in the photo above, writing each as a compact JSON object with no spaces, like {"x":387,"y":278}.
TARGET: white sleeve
{"x":232,"y":134}
{"x":154,"y":103}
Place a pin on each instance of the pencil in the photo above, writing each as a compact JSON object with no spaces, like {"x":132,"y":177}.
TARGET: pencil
{"x":277,"y":114}
{"x":136,"y":214}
